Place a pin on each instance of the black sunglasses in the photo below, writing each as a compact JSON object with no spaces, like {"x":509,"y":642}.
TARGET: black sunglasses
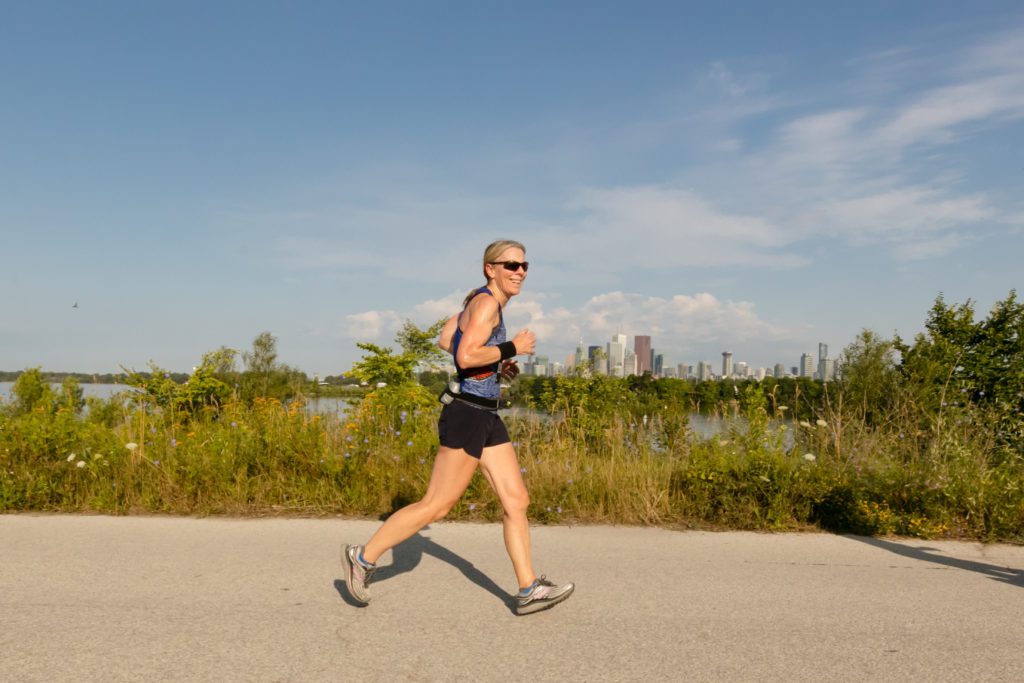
{"x":512,"y":266}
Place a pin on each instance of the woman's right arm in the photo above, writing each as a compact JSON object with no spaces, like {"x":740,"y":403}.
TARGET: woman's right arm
{"x":448,"y":333}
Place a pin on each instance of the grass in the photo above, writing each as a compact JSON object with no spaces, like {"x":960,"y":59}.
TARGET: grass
{"x":128,"y":455}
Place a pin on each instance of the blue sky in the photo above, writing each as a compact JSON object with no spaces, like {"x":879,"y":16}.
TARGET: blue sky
{"x":757,"y":177}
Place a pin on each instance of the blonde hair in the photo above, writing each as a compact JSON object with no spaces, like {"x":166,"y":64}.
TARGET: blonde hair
{"x":491,"y":254}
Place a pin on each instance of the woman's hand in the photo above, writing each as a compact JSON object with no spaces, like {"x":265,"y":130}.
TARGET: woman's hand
{"x":524,"y":342}
{"x":509,"y":369}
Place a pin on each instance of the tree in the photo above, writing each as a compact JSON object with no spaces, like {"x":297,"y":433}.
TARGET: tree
{"x":32,"y":392}
{"x":985,"y":358}
{"x":870,"y":377}
{"x":381,"y":364}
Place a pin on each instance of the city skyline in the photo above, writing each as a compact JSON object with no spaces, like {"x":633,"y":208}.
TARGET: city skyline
{"x":819,"y":366}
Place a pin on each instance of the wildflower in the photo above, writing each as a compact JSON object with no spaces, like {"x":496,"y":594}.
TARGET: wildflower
{"x":809,"y":457}
{"x":348,"y":455}
{"x":549,"y":508}
{"x":398,"y":433}
{"x":804,"y":423}
{"x":234,"y":424}
{"x":472,"y":506}
{"x":981,"y":393}
{"x":821,"y":423}
{"x":559,"y":510}
{"x":174,"y":443}
{"x":156,"y":462}
{"x":589,"y":469}
{"x":394,"y":457}
{"x":522,"y":470}
{"x":71,"y":457}
{"x":422,"y":460}
{"x":348,"y":438}
{"x":81,"y":464}
{"x":901,"y":436}
{"x":402,"y":479}
{"x":408,"y":443}
{"x":570,"y":481}
{"x":321,"y":460}
{"x":152,"y":430}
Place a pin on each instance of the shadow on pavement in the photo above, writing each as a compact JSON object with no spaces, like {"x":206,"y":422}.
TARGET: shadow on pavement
{"x":407,"y":555}
{"x":1014,"y":577}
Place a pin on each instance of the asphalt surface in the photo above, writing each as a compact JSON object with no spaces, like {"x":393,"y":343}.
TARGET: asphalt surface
{"x":89,"y":598}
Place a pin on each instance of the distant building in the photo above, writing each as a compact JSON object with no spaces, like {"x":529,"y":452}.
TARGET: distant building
{"x":642,"y":350}
{"x":726,"y":364}
{"x":806,"y":365}
{"x":780,"y":371}
{"x":826,"y":369}
{"x":703,"y":372}
{"x":683,"y":371}
{"x":617,"y":356}
{"x":629,"y":365}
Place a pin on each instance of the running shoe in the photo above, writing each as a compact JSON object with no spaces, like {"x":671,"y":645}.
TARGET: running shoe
{"x":357,"y":575}
{"x":542,"y":595}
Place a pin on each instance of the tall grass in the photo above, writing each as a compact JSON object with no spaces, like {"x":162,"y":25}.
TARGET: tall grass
{"x":582,"y":464}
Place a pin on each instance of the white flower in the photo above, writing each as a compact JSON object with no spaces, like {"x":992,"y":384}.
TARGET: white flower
{"x":131,"y":445}
{"x":805,"y":423}
{"x":81,"y":464}
{"x":71,"y":457}
{"x":809,"y":457}
{"x":822,"y":423}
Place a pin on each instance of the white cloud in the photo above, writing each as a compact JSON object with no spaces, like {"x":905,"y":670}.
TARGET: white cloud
{"x":667,"y":226}
{"x":371,"y":325}
{"x":678,"y":324}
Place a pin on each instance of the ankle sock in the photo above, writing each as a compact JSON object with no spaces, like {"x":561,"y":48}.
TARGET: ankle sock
{"x":364,"y":562}
{"x":524,"y":591}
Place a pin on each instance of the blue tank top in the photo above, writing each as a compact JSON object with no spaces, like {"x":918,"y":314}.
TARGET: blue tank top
{"x":485,"y":380}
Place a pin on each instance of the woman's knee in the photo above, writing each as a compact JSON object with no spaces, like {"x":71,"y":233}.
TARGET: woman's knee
{"x":516,"y":502}
{"x":438,"y":509}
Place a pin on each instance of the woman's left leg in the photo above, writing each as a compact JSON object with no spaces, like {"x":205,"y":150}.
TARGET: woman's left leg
{"x":501,"y":469}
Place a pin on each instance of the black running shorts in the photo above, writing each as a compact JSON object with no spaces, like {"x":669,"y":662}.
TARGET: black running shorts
{"x":470,"y":428}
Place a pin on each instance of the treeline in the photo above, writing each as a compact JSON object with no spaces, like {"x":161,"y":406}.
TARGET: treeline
{"x":84,"y":377}
{"x":789,"y":397}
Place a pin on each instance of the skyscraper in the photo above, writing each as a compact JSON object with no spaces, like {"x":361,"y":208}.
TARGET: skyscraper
{"x":726,"y":364}
{"x":642,"y":349}
{"x":806,"y":365}
{"x":617,"y":355}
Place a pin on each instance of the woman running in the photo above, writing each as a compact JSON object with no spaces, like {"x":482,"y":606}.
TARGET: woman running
{"x":473,"y":436}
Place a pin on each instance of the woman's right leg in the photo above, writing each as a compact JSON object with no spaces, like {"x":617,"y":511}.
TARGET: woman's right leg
{"x":453,"y":470}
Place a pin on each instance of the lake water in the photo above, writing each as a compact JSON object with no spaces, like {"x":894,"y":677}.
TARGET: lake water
{"x":103,"y":391}
{"x":702,"y":425}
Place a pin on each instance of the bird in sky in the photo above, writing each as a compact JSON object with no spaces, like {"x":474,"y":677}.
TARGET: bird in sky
{"x":76,"y":305}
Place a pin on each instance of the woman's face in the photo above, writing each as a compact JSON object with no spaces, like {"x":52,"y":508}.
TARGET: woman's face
{"x":507,"y":281}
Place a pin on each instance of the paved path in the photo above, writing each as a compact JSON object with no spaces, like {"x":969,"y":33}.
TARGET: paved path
{"x":86,"y":598}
